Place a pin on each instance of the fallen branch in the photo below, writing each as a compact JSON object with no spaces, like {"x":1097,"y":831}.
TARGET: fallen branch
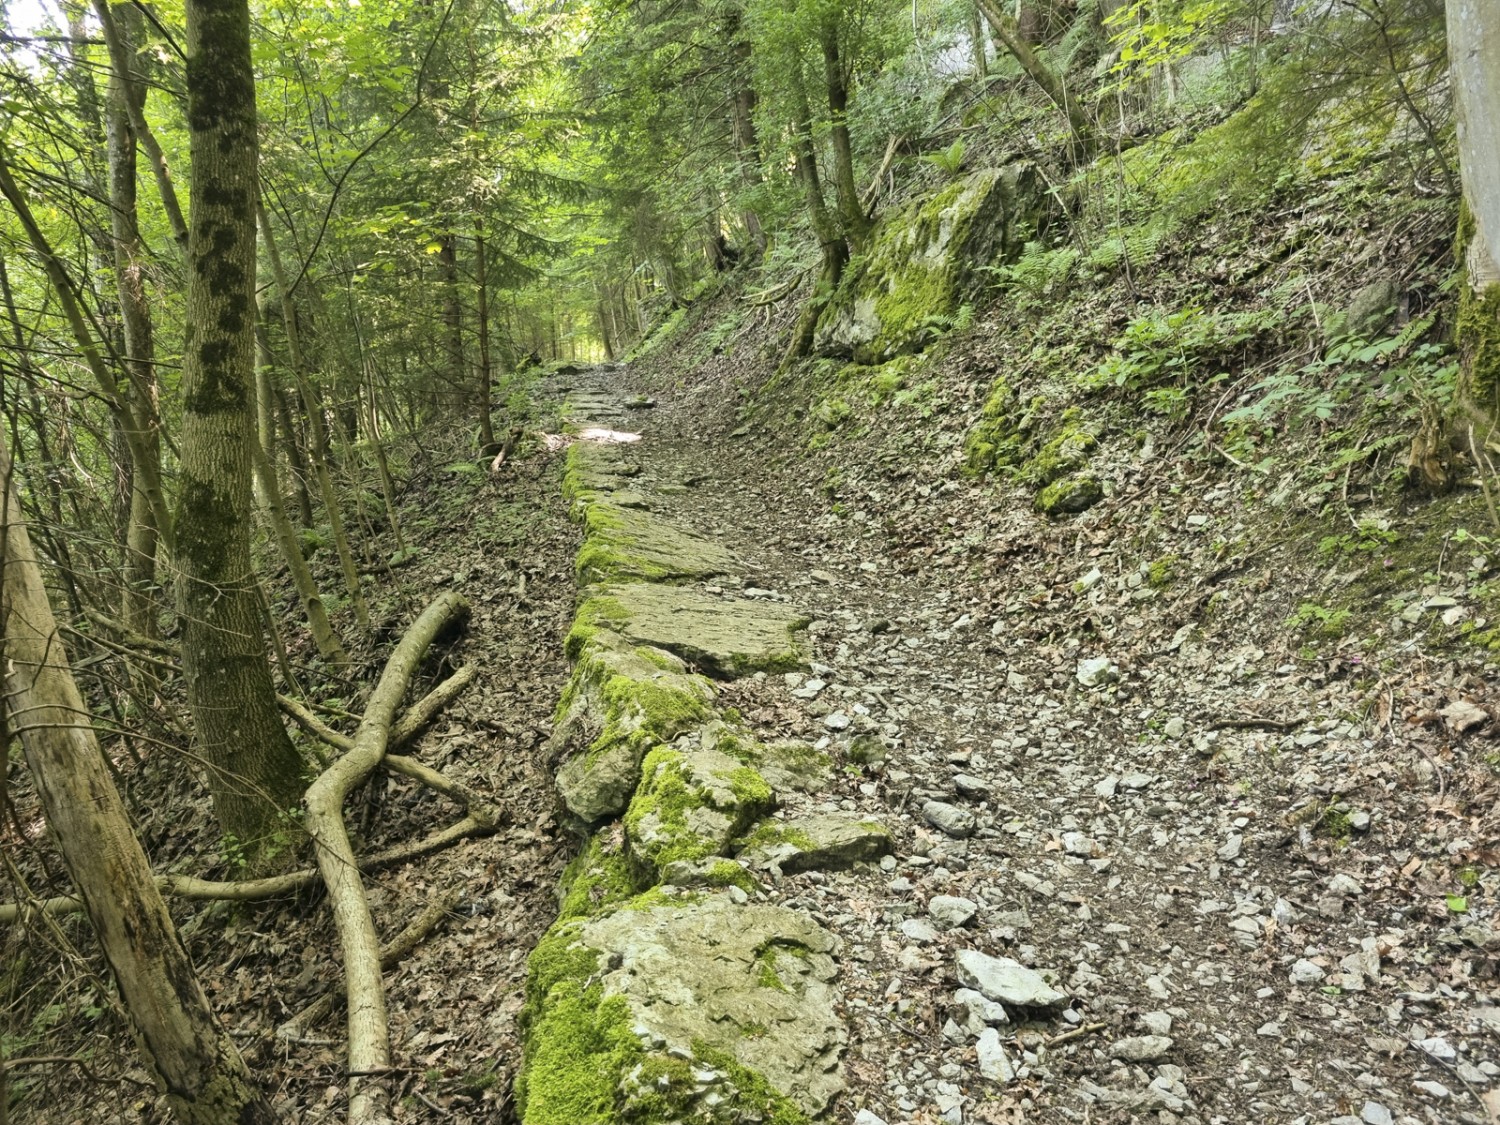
{"x":421,"y":713}
{"x":401,"y":947}
{"x":369,"y":1032}
{"x":256,"y":890}
{"x":473,"y":803}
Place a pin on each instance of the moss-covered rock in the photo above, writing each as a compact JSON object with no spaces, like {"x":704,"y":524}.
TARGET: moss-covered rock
{"x":618,"y":705}
{"x":828,"y":842}
{"x":709,"y":1012}
{"x":690,"y":804}
{"x":1069,"y":495}
{"x":923,"y":262}
{"x":627,"y":543}
{"x":1066,"y":451}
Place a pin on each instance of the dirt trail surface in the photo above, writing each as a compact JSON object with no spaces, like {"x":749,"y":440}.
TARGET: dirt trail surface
{"x":1232,"y":865}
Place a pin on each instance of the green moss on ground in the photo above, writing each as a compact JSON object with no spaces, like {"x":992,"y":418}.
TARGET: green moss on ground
{"x":594,"y":882}
{"x":1069,"y":495}
{"x":1065,"y":452}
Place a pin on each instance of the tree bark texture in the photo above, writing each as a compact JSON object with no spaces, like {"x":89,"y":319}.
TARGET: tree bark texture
{"x":254,"y":773}
{"x":856,"y":223}
{"x":189,"y":1053}
{"x":1474,"y":51}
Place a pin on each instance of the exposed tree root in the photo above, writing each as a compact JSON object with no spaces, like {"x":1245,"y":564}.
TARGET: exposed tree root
{"x":257,"y":890}
{"x":369,"y":1033}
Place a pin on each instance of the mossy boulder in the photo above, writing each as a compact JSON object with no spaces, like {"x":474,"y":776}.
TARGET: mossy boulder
{"x":1066,"y":451}
{"x":708,"y":1011}
{"x":924,"y":261}
{"x":828,"y":842}
{"x":788,"y":766}
{"x":621,"y":702}
{"x":690,"y":804}
{"x":723,"y":636}
{"x":1070,"y":495}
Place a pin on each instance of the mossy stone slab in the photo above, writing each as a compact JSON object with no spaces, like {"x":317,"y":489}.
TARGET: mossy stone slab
{"x":788,"y":766}
{"x":721,"y":636}
{"x":750,"y":981}
{"x":828,"y":842}
{"x":628,"y":543}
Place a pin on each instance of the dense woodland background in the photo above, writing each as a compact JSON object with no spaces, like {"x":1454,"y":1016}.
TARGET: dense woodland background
{"x":268,"y":273}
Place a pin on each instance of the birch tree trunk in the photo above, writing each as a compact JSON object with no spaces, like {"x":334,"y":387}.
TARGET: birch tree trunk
{"x":1474,"y":51}
{"x":254,"y":773}
{"x":187,"y":1051}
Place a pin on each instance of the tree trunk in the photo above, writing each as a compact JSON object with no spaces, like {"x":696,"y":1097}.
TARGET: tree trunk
{"x":254,"y":772}
{"x":147,"y":470}
{"x":856,"y":223}
{"x":484,"y":376}
{"x":1474,"y":48}
{"x":190,"y":1055}
{"x":1005,"y":29}
{"x":316,"y":424}
{"x":125,"y":101}
{"x":831,"y":242}
{"x":453,"y":316}
{"x":266,"y":476}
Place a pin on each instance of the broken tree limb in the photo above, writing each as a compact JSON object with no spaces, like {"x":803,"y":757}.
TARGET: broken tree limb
{"x":399,"y":948}
{"x":421,"y":713}
{"x":473,"y":803}
{"x":255,"y":890}
{"x":369,"y":1033}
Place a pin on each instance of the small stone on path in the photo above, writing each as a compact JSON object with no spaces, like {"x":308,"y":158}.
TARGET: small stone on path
{"x":1141,"y":1048}
{"x":992,"y":1061}
{"x":950,"y":911}
{"x":1007,"y":981}
{"x":950,"y":819}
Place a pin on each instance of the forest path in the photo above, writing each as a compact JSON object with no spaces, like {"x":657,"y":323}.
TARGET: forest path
{"x":1208,"y":844}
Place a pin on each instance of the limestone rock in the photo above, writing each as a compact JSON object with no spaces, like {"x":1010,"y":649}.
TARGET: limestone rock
{"x":722,"y":636}
{"x":951,"y":819}
{"x":620,"y":703}
{"x":753,"y":981}
{"x":625,"y":543}
{"x":788,"y":767}
{"x":1141,"y":1048}
{"x":923,"y":262}
{"x":1007,"y":981}
{"x":690,"y":804}
{"x":827,"y":842}
{"x":1070,"y":494}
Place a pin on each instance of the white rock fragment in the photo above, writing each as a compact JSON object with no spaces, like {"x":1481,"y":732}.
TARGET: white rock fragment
{"x":949,"y":912}
{"x":992,"y":1061}
{"x":1463,"y":716}
{"x":1007,"y":981}
{"x":1305,"y":972}
{"x":1097,"y":671}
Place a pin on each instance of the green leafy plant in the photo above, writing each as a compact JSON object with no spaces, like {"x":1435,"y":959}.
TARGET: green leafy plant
{"x":949,"y":161}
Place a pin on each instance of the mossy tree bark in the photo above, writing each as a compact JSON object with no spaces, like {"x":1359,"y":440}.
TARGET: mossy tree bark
{"x":852,"y":214}
{"x":190,"y":1055}
{"x":831,"y":242}
{"x":1474,"y":50}
{"x":254,"y":773}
